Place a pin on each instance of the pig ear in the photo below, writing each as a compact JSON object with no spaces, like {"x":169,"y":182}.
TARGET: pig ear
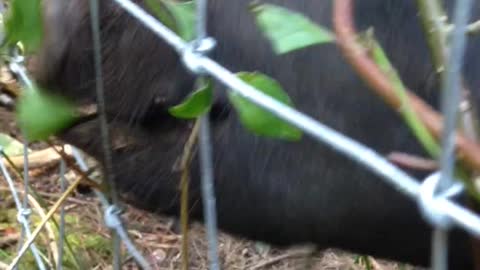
{"x":60,"y":19}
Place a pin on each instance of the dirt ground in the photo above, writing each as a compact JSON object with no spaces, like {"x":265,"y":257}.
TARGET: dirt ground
{"x":157,"y":237}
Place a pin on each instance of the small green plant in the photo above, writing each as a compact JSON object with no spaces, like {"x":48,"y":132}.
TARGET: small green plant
{"x":257,"y":119}
{"x":288,"y":30}
{"x":11,"y":147}
{"x":180,"y":17}
{"x":24,"y":24}
{"x":198,"y":103}
{"x":364,"y":261}
{"x":298,"y":32}
{"x":411,"y":119}
{"x":41,"y":115}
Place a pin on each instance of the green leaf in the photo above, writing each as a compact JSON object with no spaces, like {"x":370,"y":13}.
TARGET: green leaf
{"x":162,"y":13}
{"x":196,"y":104}
{"x":177,"y":16}
{"x":184,"y":14}
{"x":41,"y":115}
{"x":288,"y":30}
{"x":24,"y":24}
{"x":10,"y":146}
{"x":258,"y":120}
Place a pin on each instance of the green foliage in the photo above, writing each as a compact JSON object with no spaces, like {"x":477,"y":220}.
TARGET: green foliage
{"x":24,"y":24}
{"x":364,"y":261}
{"x":41,"y":115}
{"x":161,"y":12}
{"x":288,"y":30}
{"x":10,"y":146}
{"x":411,"y":119}
{"x":99,"y":244}
{"x":177,"y":16}
{"x":184,"y":13}
{"x":258,"y":120}
{"x":180,"y":18}
{"x":198,"y":103}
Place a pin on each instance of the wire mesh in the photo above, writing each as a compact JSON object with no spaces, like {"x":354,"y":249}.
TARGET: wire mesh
{"x":22,"y":214}
{"x":205,"y":146}
{"x":17,"y":67}
{"x":450,"y":100}
{"x":352,"y":149}
{"x":199,"y":62}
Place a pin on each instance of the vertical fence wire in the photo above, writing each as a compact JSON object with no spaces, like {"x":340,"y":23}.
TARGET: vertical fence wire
{"x":108,"y":182}
{"x":17,"y":67}
{"x":450,"y":99}
{"x":61,"y":233}
{"x":450,"y":96}
{"x":206,"y":156}
{"x":104,"y":131}
{"x":339,"y":142}
{"x":350,"y":148}
{"x":201,"y":19}
{"x":208,"y":193}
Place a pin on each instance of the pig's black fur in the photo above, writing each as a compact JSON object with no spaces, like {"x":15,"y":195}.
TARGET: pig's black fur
{"x":275,"y":191}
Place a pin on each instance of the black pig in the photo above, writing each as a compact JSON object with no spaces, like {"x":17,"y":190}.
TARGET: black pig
{"x":275,"y":191}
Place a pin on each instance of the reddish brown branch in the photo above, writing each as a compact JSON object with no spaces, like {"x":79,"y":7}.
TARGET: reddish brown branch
{"x":412,"y":162}
{"x":467,"y":151}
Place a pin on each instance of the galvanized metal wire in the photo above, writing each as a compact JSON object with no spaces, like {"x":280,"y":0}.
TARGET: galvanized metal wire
{"x":435,"y":192}
{"x":112,"y":214}
{"x":205,"y":146}
{"x":208,"y":193}
{"x":21,"y":217}
{"x":61,"y":229}
{"x":16,"y":65}
{"x":450,"y":99}
{"x":108,"y":182}
{"x":337,"y":141}
{"x":112,"y":218}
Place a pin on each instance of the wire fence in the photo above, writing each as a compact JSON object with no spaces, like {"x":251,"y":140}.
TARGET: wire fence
{"x":434,"y":194}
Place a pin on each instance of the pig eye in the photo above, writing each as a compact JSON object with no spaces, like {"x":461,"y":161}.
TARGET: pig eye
{"x":157,"y":112}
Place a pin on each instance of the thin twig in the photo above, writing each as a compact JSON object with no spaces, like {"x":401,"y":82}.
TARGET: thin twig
{"x":53,"y":196}
{"x":50,"y":213}
{"x":40,"y":157}
{"x":48,"y":227}
{"x":9,"y":239}
{"x":42,"y":203}
{"x":291,"y":254}
{"x":468,"y":151}
{"x":185,"y":168}
{"x":71,"y":164}
{"x":434,"y":25}
{"x":413,"y":162}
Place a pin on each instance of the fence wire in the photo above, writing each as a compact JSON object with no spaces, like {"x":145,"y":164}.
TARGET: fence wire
{"x":111,"y":211}
{"x":202,"y":46}
{"x":450,"y":100}
{"x":200,"y":63}
{"x":342,"y":144}
{"x":24,"y":212}
{"x":434,"y":194}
